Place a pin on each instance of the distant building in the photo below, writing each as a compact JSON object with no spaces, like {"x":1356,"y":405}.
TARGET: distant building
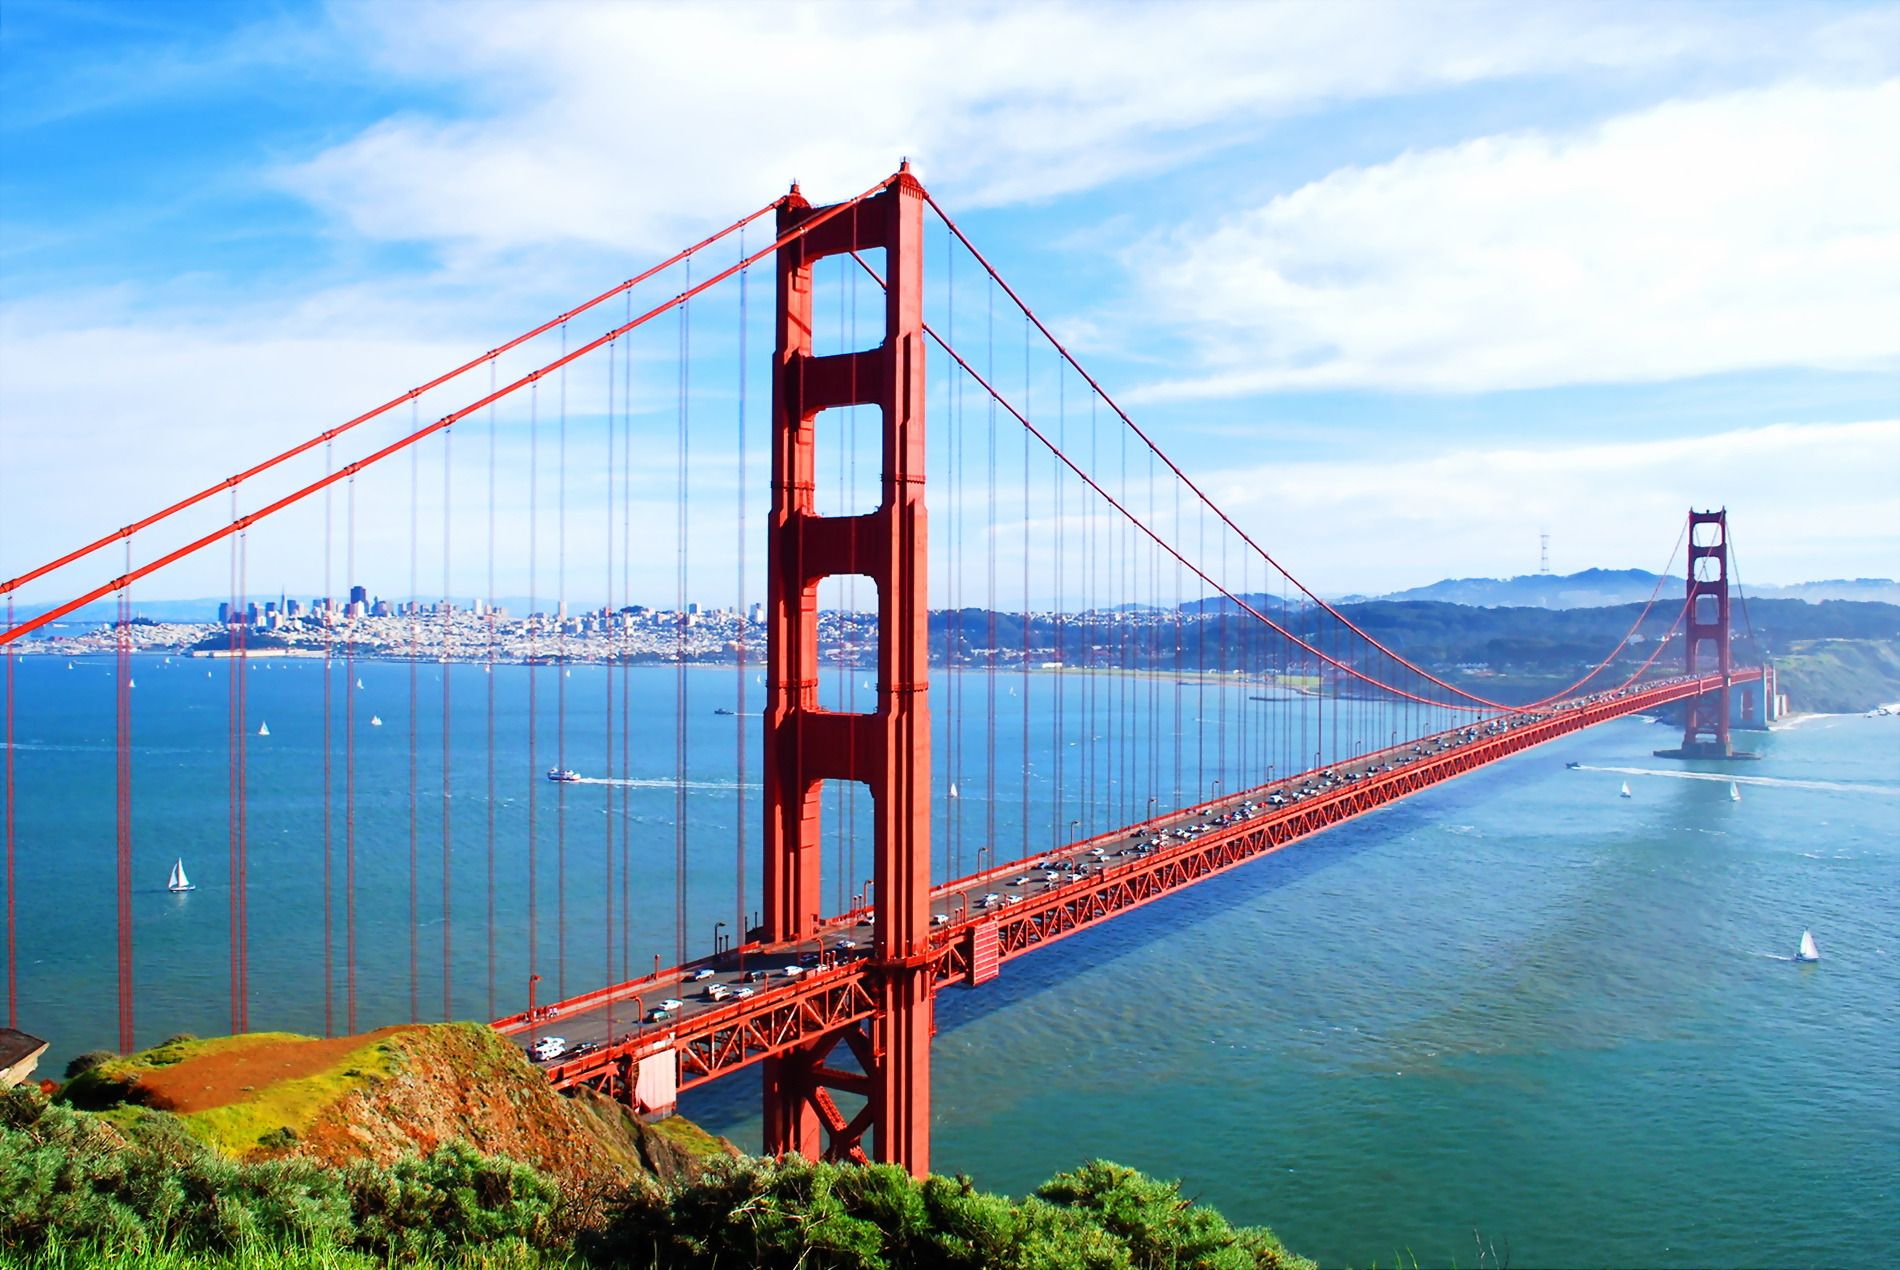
{"x":19,"y":1055}
{"x":224,"y":613}
{"x":359,"y":595}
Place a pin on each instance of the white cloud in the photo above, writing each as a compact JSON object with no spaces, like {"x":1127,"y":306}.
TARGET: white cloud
{"x":1753,"y":230}
{"x":629,"y":123}
{"x":1806,"y":501}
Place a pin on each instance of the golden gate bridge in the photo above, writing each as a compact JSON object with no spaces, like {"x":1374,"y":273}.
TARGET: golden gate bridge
{"x":1073,"y":563}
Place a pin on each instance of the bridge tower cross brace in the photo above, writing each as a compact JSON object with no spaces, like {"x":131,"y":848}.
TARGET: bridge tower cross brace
{"x":1706,"y":625}
{"x":887,"y":750}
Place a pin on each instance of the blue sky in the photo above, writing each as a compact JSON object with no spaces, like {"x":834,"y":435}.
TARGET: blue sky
{"x":1404,"y":284}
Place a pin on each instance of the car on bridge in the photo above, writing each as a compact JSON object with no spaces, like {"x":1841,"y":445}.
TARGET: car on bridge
{"x":548,"y":1048}
{"x":704,"y":972}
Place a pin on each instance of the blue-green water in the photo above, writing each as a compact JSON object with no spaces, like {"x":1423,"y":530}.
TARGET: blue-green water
{"x":1517,"y":1005}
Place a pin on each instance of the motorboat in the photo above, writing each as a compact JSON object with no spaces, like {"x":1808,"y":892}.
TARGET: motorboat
{"x":564,"y":775}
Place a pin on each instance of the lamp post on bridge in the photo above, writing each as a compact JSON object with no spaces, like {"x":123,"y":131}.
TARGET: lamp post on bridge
{"x":533,"y":1019}
{"x":717,"y":927}
{"x":1152,"y":799}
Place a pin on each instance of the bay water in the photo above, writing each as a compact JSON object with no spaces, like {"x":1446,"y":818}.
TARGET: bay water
{"x":1516,"y":1013}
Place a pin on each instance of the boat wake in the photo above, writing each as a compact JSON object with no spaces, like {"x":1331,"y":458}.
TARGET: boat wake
{"x":662,"y":783}
{"x":1772,"y":782}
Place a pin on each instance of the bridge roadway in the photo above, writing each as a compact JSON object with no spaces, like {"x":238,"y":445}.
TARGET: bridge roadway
{"x":785,"y":994}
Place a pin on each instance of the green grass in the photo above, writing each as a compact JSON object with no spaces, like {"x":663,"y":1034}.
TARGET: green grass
{"x":237,"y":1127}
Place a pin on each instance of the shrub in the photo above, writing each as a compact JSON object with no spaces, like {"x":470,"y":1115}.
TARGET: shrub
{"x":87,"y":1061}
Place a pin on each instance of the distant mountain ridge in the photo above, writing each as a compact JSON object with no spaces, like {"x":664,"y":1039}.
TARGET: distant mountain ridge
{"x":1601,"y":588}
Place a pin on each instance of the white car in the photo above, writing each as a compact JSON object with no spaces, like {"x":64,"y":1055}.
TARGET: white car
{"x":792,"y":972}
{"x":940,"y":919}
{"x":671,"y":1004}
{"x":548,"y":1047}
{"x":704,"y":972}
{"x":741,"y":992}
{"x":717,"y":992}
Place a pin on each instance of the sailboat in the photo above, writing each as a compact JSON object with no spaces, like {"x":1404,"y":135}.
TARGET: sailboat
{"x":131,"y":683}
{"x":953,"y":789}
{"x":376,"y":720}
{"x":179,"y":882}
{"x":69,"y":665}
{"x":359,"y":681}
{"x":263,"y":729}
{"x":1626,"y":791}
{"x":1808,"y":951}
{"x":1734,"y":792}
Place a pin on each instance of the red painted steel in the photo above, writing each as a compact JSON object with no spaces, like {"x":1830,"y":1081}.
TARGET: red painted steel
{"x":887,"y":750}
{"x":810,"y":1013}
{"x":1705,"y":727}
{"x":231,"y":482}
{"x":23,"y":627}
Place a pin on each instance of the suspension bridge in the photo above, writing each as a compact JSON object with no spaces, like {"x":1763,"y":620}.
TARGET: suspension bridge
{"x":930,"y":746}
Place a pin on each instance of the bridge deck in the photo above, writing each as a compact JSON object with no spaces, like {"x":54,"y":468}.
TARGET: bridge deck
{"x":786,"y":994}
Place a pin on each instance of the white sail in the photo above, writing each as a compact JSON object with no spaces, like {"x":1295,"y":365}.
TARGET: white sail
{"x":1626,"y":791}
{"x":1734,"y":792}
{"x":376,"y":720}
{"x":178,"y":881}
{"x":263,"y":729}
{"x":953,"y":789}
{"x":1808,"y":951}
{"x":131,"y":683}
{"x":359,"y":681}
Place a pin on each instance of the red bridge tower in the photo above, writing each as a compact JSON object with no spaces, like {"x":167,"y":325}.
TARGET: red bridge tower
{"x":1705,"y":730}
{"x":887,"y":750}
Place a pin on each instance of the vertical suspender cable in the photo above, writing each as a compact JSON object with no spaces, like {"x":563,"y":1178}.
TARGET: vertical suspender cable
{"x":990,"y":601}
{"x":560,"y":687}
{"x":415,"y":722}
{"x":445,"y":620}
{"x":1028,"y":615}
{"x":607,"y":694}
{"x":349,"y":768}
{"x":534,"y":664}
{"x":626,"y":696}
{"x":739,"y":732}
{"x":327,"y":616}
{"x":680,"y":646}
{"x":488,"y":668}
{"x":243,"y":798}
{"x":123,"y":756}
